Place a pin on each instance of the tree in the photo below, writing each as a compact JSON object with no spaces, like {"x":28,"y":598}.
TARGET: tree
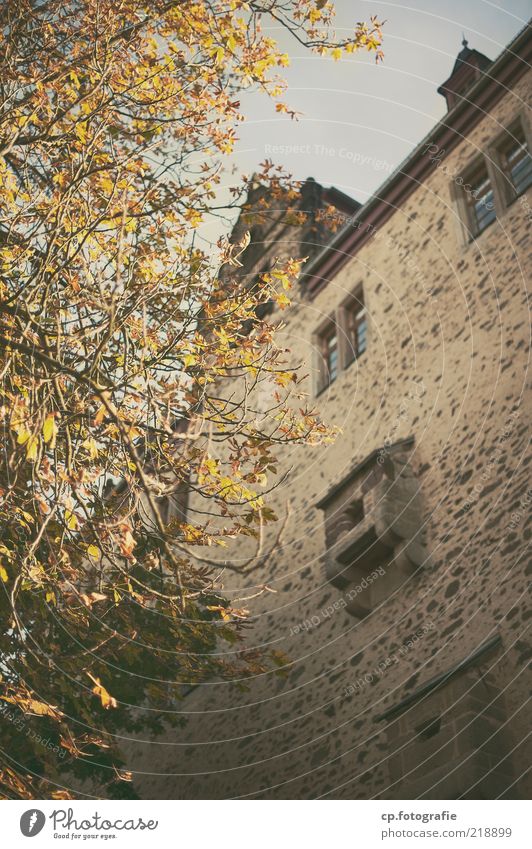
{"x":116,"y":338}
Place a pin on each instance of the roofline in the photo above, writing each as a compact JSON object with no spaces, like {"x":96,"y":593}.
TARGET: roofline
{"x":332,"y":194}
{"x":466,"y":65}
{"x":495,"y":80}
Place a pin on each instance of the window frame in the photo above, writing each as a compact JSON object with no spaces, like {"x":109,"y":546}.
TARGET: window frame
{"x":471,"y":178}
{"x":350,"y":323}
{"x":339,"y":324}
{"x":489,"y":159}
{"x":326,"y":329}
{"x":327,"y":351}
{"x":497,"y":152}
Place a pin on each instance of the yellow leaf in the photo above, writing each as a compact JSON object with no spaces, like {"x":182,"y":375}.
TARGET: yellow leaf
{"x":221,"y":610}
{"x":80,"y":130}
{"x":99,"y":690}
{"x":283,"y":277}
{"x":23,"y":436}
{"x":42,"y":709}
{"x":223,"y":337}
{"x":283,"y":378}
{"x":3,"y":575}
{"x":50,"y":597}
{"x":71,"y":520}
{"x":31,"y":448}
{"x":91,"y":447}
{"x":49,"y":429}
{"x":210,"y":465}
{"x":33,"y":706}
{"x":107,"y":185}
{"x":93,"y":551}
{"x":282,"y":300}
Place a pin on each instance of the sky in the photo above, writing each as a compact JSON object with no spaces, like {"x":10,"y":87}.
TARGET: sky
{"x":360,"y":119}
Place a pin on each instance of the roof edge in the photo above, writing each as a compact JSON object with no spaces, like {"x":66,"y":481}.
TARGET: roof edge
{"x":451,"y":126}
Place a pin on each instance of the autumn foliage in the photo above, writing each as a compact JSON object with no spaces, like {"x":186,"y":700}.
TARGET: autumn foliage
{"x":118,"y":338}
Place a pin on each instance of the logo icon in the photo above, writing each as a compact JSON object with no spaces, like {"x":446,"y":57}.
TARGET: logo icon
{"x":32,"y":822}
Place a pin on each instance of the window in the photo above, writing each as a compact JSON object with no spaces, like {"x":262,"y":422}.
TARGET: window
{"x":329,"y":355}
{"x":497,"y":178}
{"x":480,"y":200}
{"x":342,"y":339}
{"x":516,"y":162}
{"x":356,"y":327}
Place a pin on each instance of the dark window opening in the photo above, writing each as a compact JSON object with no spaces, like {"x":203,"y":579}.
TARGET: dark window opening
{"x":356,"y":327}
{"x":355,"y":511}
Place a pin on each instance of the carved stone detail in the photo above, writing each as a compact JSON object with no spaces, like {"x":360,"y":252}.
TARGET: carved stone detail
{"x":374,"y":519}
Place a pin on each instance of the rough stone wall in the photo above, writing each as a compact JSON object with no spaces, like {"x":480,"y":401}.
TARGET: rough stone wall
{"x":446,"y":362}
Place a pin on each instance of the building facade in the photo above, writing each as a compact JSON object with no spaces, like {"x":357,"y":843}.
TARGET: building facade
{"x":400,"y":587}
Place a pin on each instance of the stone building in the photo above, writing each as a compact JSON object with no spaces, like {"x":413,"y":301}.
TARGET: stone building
{"x":401,"y":583}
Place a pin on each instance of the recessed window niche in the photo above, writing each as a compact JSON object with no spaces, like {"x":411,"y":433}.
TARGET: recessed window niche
{"x":450,"y":739}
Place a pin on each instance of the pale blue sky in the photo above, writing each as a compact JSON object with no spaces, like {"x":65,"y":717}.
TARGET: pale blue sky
{"x":360,"y":119}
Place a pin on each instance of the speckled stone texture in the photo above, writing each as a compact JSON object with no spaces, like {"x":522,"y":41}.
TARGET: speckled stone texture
{"x":446,"y":363}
